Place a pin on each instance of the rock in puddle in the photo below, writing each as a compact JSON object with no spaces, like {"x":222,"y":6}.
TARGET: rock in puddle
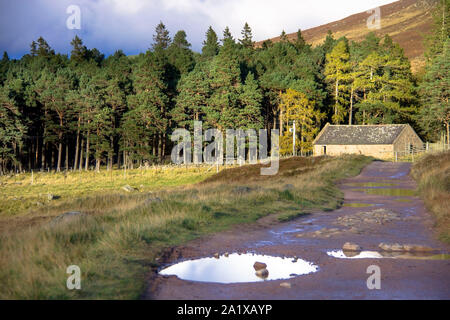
{"x":349,"y":246}
{"x":262,"y":273}
{"x":259,"y":265}
{"x":396,"y":247}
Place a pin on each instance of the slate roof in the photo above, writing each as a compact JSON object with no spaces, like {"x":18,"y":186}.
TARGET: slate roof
{"x":359,"y":135}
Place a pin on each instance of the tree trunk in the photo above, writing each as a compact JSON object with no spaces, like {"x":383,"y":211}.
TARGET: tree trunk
{"x":75,"y":165}
{"x":448,"y":132}
{"x":86,"y":164}
{"x":52,"y":158}
{"x":159,"y":147}
{"x":43,"y":157}
{"x":58,"y":166}
{"x":67,"y":156}
{"x":351,"y":108}
{"x":81,"y":156}
{"x":37,"y":152}
{"x":281,"y":122}
{"x":111,"y":154}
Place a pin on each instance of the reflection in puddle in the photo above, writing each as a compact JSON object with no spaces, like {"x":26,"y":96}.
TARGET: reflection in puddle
{"x":394,"y":192}
{"x":354,"y":255}
{"x":358,"y":205}
{"x":403,"y":200}
{"x":372,"y":184}
{"x":394,"y":255}
{"x":238,"y":268}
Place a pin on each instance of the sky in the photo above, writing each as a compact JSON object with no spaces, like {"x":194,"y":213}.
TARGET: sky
{"x":109,"y":25}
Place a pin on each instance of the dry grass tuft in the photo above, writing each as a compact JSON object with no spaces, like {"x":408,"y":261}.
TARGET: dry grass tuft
{"x":432,"y":172}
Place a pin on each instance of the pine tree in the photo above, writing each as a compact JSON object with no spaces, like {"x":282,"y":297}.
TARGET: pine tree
{"x":435,"y":91}
{"x":150,"y":100}
{"x":33,"y":49}
{"x":300,"y":42}
{"x":250,"y":98}
{"x":79,"y":52}
{"x":44,"y":49}
{"x":434,"y":43}
{"x":225,"y":81}
{"x":247,"y":38}
{"x":211,"y":44}
{"x":161,"y":39}
{"x":179,"y":53}
{"x":228,"y":40}
{"x":54,"y":97}
{"x":12,"y":130}
{"x":193,"y":94}
{"x":283,"y":36}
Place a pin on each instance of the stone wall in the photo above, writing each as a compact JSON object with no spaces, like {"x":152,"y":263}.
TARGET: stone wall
{"x":376,"y":150}
{"x":405,"y":139}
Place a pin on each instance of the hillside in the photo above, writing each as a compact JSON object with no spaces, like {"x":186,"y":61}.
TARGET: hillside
{"x":406,"y":21}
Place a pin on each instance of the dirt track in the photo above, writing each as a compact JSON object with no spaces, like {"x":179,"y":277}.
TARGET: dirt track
{"x":406,"y":222}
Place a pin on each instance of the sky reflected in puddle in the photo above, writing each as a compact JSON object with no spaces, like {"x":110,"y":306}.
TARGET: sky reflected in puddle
{"x":238,"y":268}
{"x":354,"y":255}
{"x":393,"y":255}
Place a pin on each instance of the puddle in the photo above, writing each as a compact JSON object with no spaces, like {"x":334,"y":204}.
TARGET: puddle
{"x":403,"y":200}
{"x":354,"y":255}
{"x":398,"y":175}
{"x":372,"y":184}
{"x":393,"y":192}
{"x":358,"y":205}
{"x":393,"y":255}
{"x":238,"y":268}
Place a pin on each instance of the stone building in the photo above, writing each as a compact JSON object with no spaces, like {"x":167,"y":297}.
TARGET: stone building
{"x":380,"y":141}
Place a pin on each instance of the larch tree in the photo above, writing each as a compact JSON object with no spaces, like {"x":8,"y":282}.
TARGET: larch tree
{"x":337,"y":71}
{"x":297,"y":107}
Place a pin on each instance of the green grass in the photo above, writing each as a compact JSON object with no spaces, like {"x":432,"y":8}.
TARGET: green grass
{"x":117,"y":242}
{"x":24,"y":192}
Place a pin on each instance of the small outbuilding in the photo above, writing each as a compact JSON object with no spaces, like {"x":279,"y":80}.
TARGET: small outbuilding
{"x":380,"y":141}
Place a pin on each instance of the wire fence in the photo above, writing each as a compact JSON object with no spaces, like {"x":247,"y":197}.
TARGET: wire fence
{"x":413,"y":152}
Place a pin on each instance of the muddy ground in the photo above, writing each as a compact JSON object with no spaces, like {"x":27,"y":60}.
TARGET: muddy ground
{"x":390,"y":219}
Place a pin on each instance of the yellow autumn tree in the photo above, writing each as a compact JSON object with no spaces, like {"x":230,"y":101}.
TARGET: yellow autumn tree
{"x":337,"y":72}
{"x":296,"y":106}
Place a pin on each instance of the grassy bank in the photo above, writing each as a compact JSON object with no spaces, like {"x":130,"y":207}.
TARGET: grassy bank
{"x":119,"y":237}
{"x":26,"y":192}
{"x":432,"y":173}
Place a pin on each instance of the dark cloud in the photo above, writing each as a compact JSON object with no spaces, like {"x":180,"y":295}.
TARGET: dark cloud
{"x":129,"y":24}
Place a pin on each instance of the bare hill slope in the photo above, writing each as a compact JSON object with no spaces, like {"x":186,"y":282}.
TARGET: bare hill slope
{"x":406,"y":21}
